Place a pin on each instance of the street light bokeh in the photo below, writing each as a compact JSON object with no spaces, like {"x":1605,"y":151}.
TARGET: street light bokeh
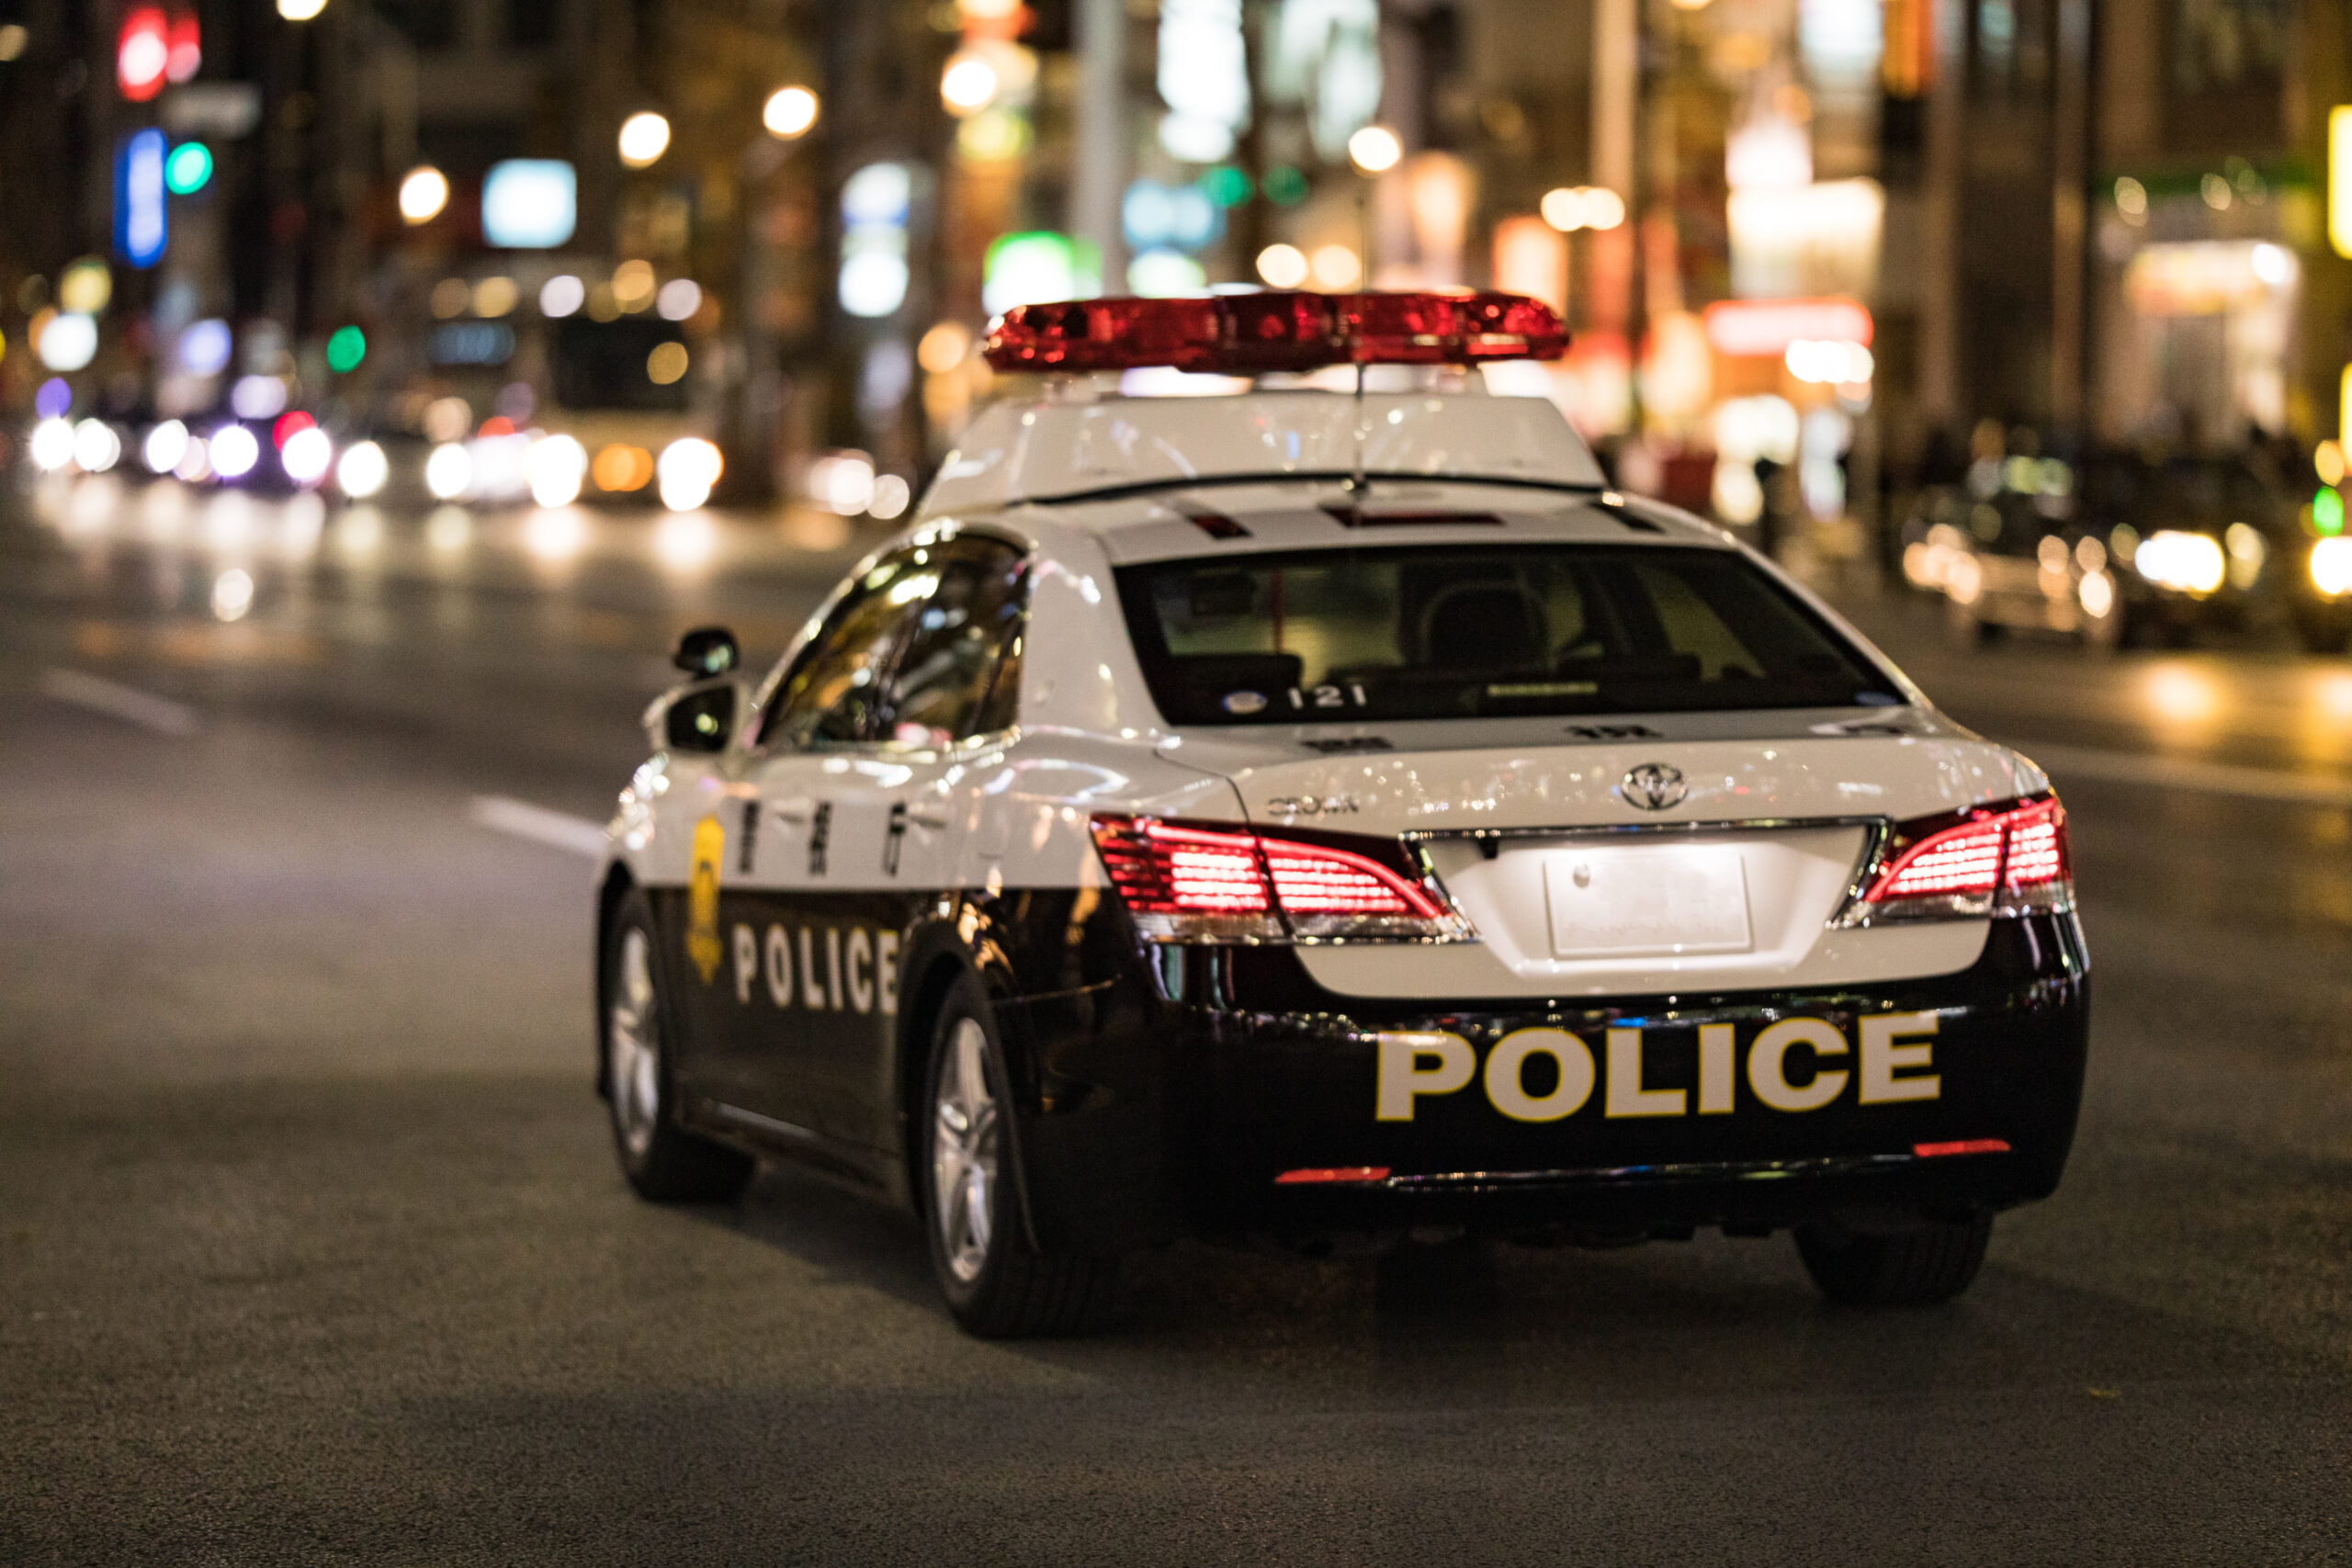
{"x":300,"y":10}
{"x":645,"y":136}
{"x":424,"y":191}
{"x":1337,"y":268}
{"x":1571,"y":208}
{"x":1375,"y":150}
{"x":789,"y":112}
{"x":969,"y":83}
{"x":1282,"y":267}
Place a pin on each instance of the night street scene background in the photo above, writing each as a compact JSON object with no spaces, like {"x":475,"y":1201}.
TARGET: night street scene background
{"x":385,"y":385}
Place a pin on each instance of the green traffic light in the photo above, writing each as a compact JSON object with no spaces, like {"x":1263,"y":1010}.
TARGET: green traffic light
{"x":345,"y":349}
{"x":2327,"y":512}
{"x":1226,"y":186}
{"x":188,"y":168}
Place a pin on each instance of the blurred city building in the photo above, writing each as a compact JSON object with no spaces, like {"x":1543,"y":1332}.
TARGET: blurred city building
{"x":1811,"y":249}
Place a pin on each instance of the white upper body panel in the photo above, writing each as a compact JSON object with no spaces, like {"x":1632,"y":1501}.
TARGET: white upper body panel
{"x":1048,"y":449}
{"x":1780,"y":800}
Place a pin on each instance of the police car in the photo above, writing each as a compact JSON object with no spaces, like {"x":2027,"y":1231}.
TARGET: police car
{"x":1324,"y":813}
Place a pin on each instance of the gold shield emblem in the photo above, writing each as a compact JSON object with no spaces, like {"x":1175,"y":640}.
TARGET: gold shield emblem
{"x":703,"y":945}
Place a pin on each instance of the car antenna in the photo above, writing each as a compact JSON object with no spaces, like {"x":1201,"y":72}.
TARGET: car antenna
{"x":1356,"y":480}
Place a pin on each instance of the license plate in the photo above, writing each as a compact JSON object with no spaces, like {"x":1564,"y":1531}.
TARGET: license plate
{"x":1619,"y":901}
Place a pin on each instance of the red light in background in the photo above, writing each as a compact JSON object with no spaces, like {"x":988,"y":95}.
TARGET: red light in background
{"x":143,"y":54}
{"x":1765,"y":328}
{"x":497,"y":425}
{"x":182,"y":47}
{"x":1961,"y":1147}
{"x":287,"y":424}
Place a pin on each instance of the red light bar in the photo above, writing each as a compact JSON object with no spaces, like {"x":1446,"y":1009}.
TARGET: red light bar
{"x":1961,"y":1147}
{"x":1345,"y":1173}
{"x":1238,"y":334}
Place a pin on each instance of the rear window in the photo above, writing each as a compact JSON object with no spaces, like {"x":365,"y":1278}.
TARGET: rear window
{"x":1485,"y":631}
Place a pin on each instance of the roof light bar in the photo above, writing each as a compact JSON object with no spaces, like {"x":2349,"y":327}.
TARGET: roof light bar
{"x":1239,"y":334}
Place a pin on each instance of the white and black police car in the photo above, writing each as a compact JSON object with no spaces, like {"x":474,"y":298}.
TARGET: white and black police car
{"x":1322,"y":813}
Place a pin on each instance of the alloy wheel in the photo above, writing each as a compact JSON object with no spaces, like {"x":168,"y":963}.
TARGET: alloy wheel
{"x":964,"y":1151}
{"x":633,"y":1046}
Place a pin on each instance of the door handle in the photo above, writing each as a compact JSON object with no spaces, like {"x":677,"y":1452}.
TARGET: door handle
{"x":797,"y":810}
{"x":932,"y":821}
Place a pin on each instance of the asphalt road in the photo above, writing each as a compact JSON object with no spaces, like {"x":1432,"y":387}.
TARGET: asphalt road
{"x":312,"y":1248}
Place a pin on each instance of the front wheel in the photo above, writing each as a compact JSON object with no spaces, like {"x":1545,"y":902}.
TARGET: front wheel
{"x":1912,"y":1267}
{"x":997,"y":1285}
{"x":663,"y":1160}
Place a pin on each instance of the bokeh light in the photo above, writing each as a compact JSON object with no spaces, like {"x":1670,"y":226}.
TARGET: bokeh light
{"x":363,"y":470}
{"x":232,"y":594}
{"x":234,"y":451}
{"x":644,"y":137}
{"x":688,"y":467}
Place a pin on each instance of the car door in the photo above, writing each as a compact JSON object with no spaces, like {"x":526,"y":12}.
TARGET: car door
{"x":893,"y":809}
{"x":764,"y":1015}
{"x":860,"y":776}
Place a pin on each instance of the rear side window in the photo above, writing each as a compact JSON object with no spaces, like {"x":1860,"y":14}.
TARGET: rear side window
{"x":1487,"y":631}
{"x":832,"y":696}
{"x":957,"y":676}
{"x":925,"y":651}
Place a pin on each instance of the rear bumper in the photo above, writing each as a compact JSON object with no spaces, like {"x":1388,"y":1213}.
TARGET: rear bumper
{"x":1188,"y":1096}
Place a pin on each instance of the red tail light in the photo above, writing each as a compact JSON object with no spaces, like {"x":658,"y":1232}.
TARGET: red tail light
{"x":1184,"y":881}
{"x":2010,"y":858}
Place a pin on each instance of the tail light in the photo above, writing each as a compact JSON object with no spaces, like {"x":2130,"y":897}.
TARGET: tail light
{"x":1188,"y":882}
{"x":2009,"y":858}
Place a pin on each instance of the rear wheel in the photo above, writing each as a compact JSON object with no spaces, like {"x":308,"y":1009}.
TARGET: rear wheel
{"x":1907,"y":1268}
{"x":663,"y":1160}
{"x":997,"y":1285}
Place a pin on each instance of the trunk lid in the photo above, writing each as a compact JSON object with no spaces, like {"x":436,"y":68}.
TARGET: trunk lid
{"x":1699,"y":852}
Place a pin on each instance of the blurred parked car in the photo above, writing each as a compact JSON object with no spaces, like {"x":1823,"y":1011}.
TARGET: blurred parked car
{"x":2129,"y":549}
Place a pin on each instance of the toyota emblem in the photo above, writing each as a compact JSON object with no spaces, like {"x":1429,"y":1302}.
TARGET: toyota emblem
{"x":1652,"y":787}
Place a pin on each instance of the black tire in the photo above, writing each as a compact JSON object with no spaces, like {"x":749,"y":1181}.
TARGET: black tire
{"x":663,"y":1161}
{"x":1909,"y":1268}
{"x":998,"y":1286}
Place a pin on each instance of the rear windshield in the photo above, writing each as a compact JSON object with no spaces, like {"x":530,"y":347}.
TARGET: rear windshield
{"x":1482,"y":631}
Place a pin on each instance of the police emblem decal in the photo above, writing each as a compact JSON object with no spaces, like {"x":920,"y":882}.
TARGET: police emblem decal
{"x":1652,"y":787}
{"x":703,"y":946}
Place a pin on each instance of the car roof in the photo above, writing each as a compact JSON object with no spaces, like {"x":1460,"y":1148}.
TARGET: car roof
{"x":1153,"y":479}
{"x":1195,"y":522}
{"x":1075,"y":442}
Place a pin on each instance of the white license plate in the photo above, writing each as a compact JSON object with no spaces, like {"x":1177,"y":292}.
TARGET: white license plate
{"x":1619,"y":901}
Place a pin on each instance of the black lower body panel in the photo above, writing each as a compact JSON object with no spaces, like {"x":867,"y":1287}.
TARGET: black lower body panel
{"x":1218,"y":1091}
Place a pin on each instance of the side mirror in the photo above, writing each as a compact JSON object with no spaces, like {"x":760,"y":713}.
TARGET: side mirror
{"x":701,"y":719}
{"x":707,"y":653}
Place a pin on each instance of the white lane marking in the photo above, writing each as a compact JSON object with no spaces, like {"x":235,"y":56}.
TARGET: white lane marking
{"x":2179,"y":773}
{"x":126,"y":703}
{"x":521,"y":820}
